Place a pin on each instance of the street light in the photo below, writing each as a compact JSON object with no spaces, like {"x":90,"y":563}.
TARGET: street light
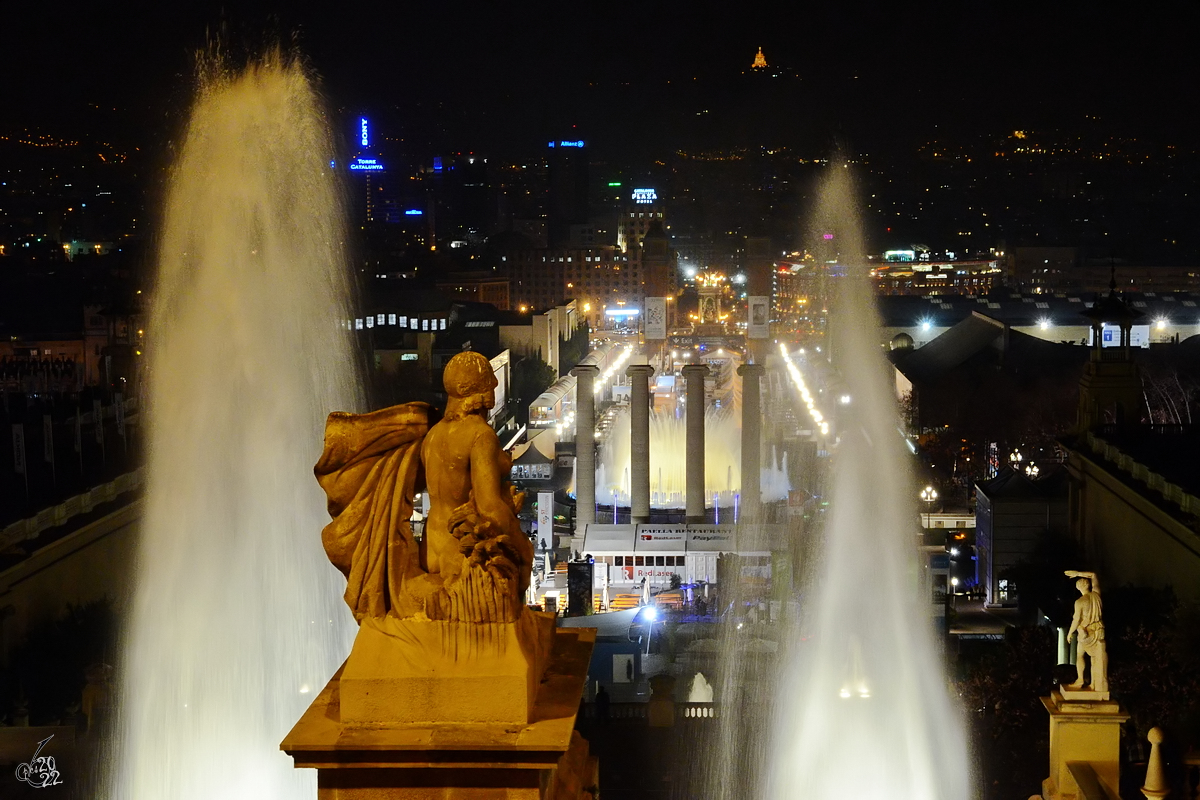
{"x":954,"y":592}
{"x":929,"y":495}
{"x":649,"y":614}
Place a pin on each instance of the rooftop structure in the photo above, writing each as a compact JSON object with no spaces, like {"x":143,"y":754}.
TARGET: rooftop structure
{"x":1057,"y":317}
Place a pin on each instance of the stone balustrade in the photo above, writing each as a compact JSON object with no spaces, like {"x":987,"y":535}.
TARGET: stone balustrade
{"x":60,"y":514}
{"x":1154,"y":482}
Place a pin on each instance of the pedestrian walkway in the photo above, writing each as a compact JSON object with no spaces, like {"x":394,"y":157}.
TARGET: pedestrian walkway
{"x":972,"y":619}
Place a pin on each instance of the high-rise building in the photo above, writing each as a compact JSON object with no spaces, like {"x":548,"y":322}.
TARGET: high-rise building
{"x":369,"y":169}
{"x":568,"y":184}
{"x":596,"y":278}
{"x":460,"y":191}
{"x":657,"y":262}
{"x":634,"y":222}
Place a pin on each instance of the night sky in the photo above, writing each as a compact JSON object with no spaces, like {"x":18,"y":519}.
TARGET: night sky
{"x":630,"y":77}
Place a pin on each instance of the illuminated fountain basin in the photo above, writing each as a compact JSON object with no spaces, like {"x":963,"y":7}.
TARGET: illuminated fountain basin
{"x":668,"y":462}
{"x":238,"y":618}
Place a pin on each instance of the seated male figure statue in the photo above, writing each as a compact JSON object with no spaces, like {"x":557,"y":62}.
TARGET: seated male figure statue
{"x":472,"y":511}
{"x":473,"y":564}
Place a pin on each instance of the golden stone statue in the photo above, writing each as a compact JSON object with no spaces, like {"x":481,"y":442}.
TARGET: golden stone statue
{"x":473,"y":563}
{"x":450,"y":673}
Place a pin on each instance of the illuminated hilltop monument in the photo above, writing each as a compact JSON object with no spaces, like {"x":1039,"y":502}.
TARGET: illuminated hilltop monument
{"x":760,"y":61}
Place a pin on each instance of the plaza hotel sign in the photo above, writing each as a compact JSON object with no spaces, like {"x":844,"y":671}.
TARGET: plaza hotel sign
{"x":644,"y":196}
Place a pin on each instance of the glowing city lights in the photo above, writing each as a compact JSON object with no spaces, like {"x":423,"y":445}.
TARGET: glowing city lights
{"x":805,"y":394}
{"x":608,"y":374}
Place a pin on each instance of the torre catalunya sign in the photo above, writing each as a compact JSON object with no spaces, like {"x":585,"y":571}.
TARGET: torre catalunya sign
{"x":366,"y":165}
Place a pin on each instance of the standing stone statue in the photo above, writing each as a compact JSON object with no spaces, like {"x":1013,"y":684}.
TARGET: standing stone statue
{"x":1088,"y":622}
{"x":473,"y":564}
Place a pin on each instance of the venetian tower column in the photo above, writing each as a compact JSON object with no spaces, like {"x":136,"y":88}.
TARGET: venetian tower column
{"x":639,"y":442}
{"x":751,"y":439}
{"x":585,"y":448}
{"x":694,"y":375}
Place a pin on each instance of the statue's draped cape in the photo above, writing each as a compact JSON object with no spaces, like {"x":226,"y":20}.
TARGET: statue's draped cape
{"x":370,"y":470}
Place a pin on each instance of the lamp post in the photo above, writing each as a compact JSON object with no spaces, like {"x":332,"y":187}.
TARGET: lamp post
{"x":929,"y":495}
{"x":954,"y":592}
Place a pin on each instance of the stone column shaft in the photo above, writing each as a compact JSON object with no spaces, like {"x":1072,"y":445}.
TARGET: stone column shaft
{"x":585,"y":447}
{"x":694,"y":375}
{"x":751,"y":439}
{"x":639,"y":440}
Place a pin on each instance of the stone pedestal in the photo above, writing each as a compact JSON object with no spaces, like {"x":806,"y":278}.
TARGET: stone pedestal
{"x":1085,"y":735}
{"x":370,"y":736}
{"x":422,"y":670}
{"x":694,"y":375}
{"x":639,"y":442}
{"x":585,"y":447}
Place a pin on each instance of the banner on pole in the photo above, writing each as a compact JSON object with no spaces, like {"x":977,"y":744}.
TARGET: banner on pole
{"x":47,"y":439}
{"x":656,"y":318}
{"x":545,"y":517}
{"x":119,"y":412}
{"x":98,"y":416}
{"x":758,"y":317}
{"x":18,"y":436}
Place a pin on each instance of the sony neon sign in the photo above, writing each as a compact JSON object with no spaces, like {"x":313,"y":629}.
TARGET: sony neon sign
{"x":362,"y":130}
{"x":644,"y":195}
{"x":367,"y":165}
{"x":567,"y":143}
